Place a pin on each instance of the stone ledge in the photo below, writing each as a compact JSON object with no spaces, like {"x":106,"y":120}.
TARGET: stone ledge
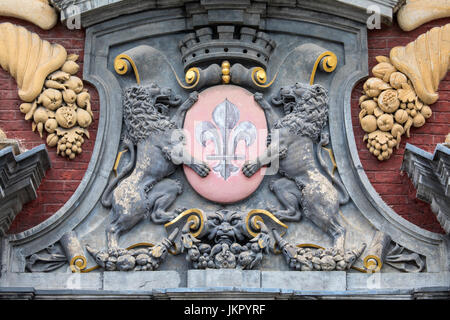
{"x":218,"y":283}
{"x":223,"y":278}
{"x":95,"y":11}
{"x":29,"y":293}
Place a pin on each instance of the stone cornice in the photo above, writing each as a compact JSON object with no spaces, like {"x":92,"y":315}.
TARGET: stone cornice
{"x":20,"y":177}
{"x":248,"y":12}
{"x":430,"y":174}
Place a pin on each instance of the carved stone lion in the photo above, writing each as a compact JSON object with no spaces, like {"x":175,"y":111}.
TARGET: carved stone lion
{"x":304,"y":188}
{"x":156,"y":147}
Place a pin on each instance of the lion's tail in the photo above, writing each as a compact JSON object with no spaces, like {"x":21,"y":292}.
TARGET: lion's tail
{"x":107,"y":194}
{"x":345,"y":197}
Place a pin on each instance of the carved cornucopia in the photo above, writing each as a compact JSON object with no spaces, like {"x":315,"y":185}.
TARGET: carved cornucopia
{"x":54,"y":97}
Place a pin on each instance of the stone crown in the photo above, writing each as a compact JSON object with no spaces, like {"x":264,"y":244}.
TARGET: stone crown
{"x":226,"y":42}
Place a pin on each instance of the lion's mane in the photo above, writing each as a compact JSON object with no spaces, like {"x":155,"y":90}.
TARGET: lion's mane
{"x":309,"y":112}
{"x":143,"y":112}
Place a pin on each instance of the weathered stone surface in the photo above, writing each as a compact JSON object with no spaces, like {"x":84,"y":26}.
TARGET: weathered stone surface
{"x":141,"y":280}
{"x":60,"y":280}
{"x":163,"y":29}
{"x":223,"y":278}
{"x":367,"y":281}
{"x":304,"y":280}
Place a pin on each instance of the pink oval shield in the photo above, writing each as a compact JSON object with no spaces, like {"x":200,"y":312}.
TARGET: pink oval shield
{"x":225,"y":128}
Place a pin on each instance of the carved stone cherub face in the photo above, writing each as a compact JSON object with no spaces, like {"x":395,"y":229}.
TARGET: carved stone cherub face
{"x":225,"y":226}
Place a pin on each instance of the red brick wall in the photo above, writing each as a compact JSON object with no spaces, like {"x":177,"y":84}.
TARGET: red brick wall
{"x":394,"y":187}
{"x":65,"y":175}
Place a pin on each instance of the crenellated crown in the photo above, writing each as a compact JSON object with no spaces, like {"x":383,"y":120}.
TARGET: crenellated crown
{"x":226,"y":42}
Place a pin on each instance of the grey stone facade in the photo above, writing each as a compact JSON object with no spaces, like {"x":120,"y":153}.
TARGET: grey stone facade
{"x":150,"y":32}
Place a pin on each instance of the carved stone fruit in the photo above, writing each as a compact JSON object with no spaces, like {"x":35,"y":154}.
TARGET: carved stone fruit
{"x":125,"y":262}
{"x":142,"y":259}
{"x":418,"y":120}
{"x":59,"y":76}
{"x":70,"y":67}
{"x":51,"y":125}
{"x":51,"y":99}
{"x":401,"y":116}
{"x":69,"y":96}
{"x":369,"y":123}
{"x":25,"y":107}
{"x":40,"y":115}
{"x":327,"y":263}
{"x":383,"y":70}
{"x":66,"y":117}
{"x":374,"y":86}
{"x":388,"y":101}
{"x":52,"y":140}
{"x":369,"y":106}
{"x":378,"y":112}
{"x":426,"y":111}
{"x":75,"y":84}
{"x":385,"y":122}
{"x":84,"y":118}
{"x":396,"y":79}
{"x":341,"y":265}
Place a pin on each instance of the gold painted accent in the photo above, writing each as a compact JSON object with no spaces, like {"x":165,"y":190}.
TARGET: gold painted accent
{"x":329,"y":64}
{"x":78,"y":263}
{"x":121,"y":67}
{"x":193,"y":74}
{"x":309,"y":245}
{"x":116,"y":164}
{"x":333,"y":161}
{"x":372,"y":263}
{"x":259,"y":77}
{"x":196,"y":221}
{"x":266,"y":213}
{"x":141,"y":244}
{"x":359,"y":269}
{"x":188,"y":212}
{"x":174,"y":251}
{"x":190,"y":76}
{"x":226,"y":72}
{"x":90,"y":269}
